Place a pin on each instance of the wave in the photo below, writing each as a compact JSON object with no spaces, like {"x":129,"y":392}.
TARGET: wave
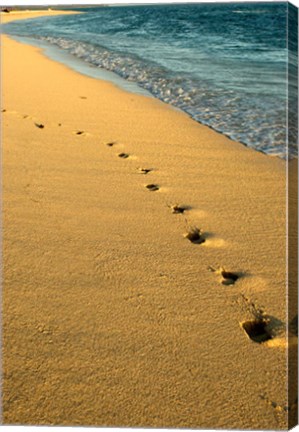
{"x":256,"y":11}
{"x":223,"y":110}
{"x":226,"y":70}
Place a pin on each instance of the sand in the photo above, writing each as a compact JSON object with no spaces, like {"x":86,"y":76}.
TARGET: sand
{"x":111,"y":316}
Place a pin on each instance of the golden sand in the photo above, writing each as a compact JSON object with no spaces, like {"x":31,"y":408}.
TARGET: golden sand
{"x":112,"y":316}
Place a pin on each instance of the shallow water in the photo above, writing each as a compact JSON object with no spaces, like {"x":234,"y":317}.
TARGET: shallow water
{"x":224,"y":64}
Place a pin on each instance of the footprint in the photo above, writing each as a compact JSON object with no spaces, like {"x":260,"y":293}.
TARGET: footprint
{"x":194,"y":235}
{"x":79,"y":132}
{"x":3,"y":110}
{"x":144,"y":170}
{"x":262,"y":328}
{"x":59,"y":124}
{"x":111,"y":144}
{"x":123,"y":155}
{"x":257,"y":329}
{"x":82,"y":97}
{"x":228,"y":278}
{"x":152,"y":187}
{"x":39,"y":125}
{"x":179,"y":209}
{"x":176,"y":209}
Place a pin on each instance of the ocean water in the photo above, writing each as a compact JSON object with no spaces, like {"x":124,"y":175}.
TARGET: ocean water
{"x":223,"y":64}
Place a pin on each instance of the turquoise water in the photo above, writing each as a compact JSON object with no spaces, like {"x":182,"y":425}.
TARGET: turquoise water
{"x":224,"y":64}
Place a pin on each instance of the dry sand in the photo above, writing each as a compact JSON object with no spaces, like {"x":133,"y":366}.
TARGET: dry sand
{"x":15,"y":15}
{"x":111,"y":316}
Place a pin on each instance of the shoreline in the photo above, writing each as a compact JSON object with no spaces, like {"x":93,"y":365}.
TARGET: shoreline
{"x":132,"y":328}
{"x":77,"y":65}
{"x":80,"y":66}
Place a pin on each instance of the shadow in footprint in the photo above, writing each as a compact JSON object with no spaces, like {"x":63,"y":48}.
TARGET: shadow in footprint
{"x":228,"y":277}
{"x":123,"y":155}
{"x":152,"y":187}
{"x":179,"y":209}
{"x":257,"y":330}
{"x":144,"y":170}
{"x":110,"y":144}
{"x":39,"y":125}
{"x":262,"y":327}
{"x":80,"y":132}
{"x":194,"y":235}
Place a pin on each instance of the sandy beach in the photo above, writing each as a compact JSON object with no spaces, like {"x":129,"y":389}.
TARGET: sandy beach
{"x":111,"y":315}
